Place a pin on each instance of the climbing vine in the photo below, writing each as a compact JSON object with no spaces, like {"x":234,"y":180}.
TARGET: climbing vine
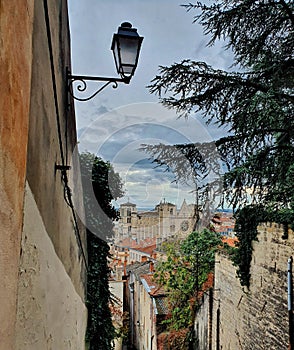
{"x":247,"y":221}
{"x":100,"y":330}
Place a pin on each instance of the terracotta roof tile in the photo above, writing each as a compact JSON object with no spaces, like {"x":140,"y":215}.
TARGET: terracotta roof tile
{"x":155,"y":289}
{"x":230,"y":241}
{"x":149,"y":249}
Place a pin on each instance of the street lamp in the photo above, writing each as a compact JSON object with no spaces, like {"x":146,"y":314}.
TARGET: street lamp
{"x":126,"y":45}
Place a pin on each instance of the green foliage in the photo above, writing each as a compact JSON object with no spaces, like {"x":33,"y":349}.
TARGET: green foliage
{"x":184,"y":271}
{"x":98,"y":194}
{"x":101,"y":185}
{"x":254,"y":30}
{"x":199,"y":250}
{"x":100,"y":330}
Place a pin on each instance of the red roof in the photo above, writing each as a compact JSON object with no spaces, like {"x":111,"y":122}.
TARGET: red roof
{"x":230,"y":241}
{"x":216,"y":220}
{"x":155,"y":289}
{"x":148,"y":250}
{"x":147,"y":241}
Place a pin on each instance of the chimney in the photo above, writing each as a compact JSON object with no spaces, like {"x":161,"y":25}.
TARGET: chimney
{"x":125,"y":266}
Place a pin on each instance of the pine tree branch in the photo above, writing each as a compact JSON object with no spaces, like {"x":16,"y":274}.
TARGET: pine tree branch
{"x":288,"y":11}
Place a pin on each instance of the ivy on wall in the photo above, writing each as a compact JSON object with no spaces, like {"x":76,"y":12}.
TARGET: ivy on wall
{"x":100,"y":186}
{"x":247,"y":221}
{"x":100,"y":330}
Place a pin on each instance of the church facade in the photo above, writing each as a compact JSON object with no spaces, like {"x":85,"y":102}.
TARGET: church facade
{"x":165,"y":221}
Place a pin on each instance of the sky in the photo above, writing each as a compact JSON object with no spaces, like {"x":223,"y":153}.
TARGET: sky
{"x":116,"y":122}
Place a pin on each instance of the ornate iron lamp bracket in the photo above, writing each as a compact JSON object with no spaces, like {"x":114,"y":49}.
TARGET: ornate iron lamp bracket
{"x":78,"y":83}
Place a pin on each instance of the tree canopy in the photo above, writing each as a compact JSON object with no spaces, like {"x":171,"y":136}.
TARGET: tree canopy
{"x":183,"y":273}
{"x":253,"y":163}
{"x":100,"y":186}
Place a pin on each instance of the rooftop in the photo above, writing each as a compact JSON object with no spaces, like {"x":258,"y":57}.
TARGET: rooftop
{"x":161,"y":304}
{"x":153,"y":288}
{"x":230,"y":241}
{"x":128,"y":204}
{"x":147,"y":250}
{"x":127,"y":243}
{"x":157,"y":293}
{"x":138,"y":268}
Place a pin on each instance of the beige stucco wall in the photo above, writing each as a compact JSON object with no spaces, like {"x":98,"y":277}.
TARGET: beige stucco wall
{"x":44,"y":147}
{"x":117,"y":289}
{"x":50,"y":292}
{"x":256,"y":318}
{"x":51,"y":314}
{"x":16,"y":19}
{"x":146,"y":319}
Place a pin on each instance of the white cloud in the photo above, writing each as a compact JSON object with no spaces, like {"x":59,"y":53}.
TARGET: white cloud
{"x":118,"y":135}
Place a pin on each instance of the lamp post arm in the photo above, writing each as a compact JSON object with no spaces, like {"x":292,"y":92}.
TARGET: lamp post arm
{"x":71,"y":77}
{"x":82,"y":86}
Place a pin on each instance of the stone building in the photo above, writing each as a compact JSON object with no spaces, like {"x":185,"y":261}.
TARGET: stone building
{"x":147,"y":305}
{"x":163,"y":222}
{"x":42,"y":243}
{"x":224,"y":224}
{"x":140,"y":253}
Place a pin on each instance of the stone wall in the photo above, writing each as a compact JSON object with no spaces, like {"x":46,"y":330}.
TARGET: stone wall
{"x":203,"y":320}
{"x":256,"y":318}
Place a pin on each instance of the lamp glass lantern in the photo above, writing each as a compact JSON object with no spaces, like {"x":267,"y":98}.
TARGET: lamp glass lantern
{"x":126,"y":45}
